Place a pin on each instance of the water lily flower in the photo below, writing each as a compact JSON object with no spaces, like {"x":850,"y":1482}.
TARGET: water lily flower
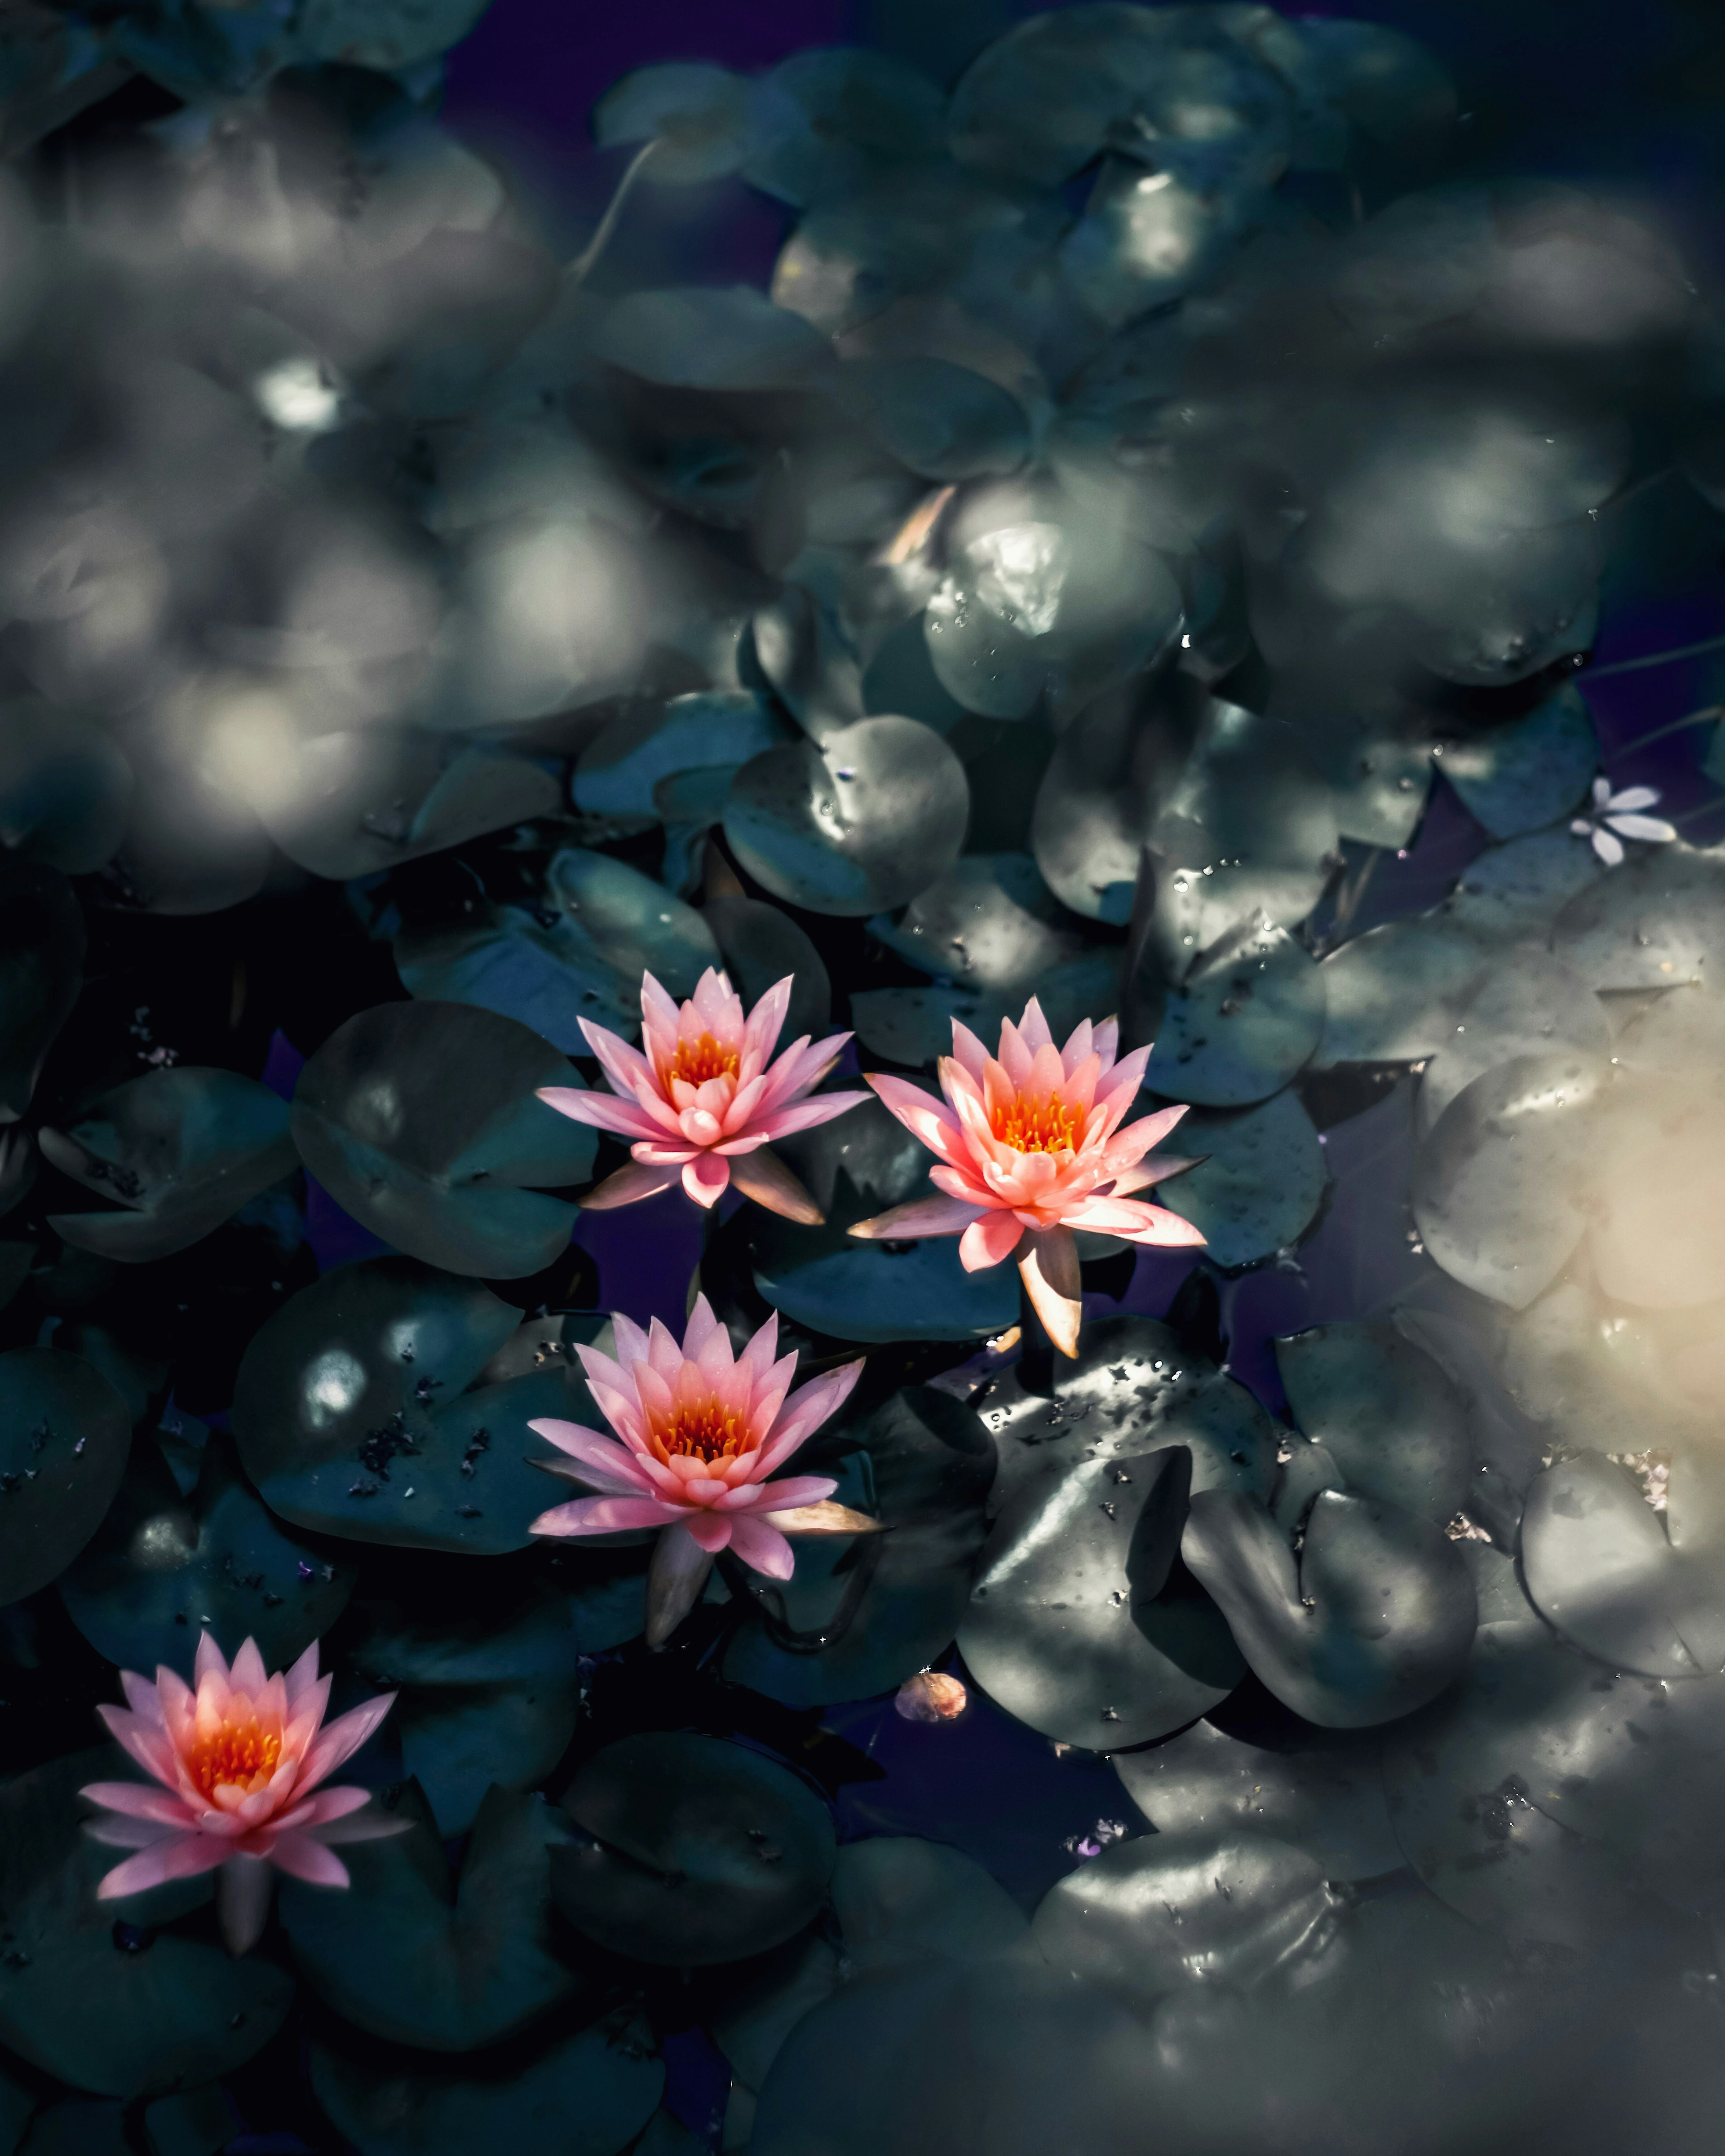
{"x":240,"y":1757}
{"x":1030,"y":1145}
{"x":702,"y":1430}
{"x":703,"y":1100}
{"x":1614,"y":817}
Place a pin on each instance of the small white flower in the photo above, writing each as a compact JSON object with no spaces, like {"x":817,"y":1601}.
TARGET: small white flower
{"x":1617,"y":816}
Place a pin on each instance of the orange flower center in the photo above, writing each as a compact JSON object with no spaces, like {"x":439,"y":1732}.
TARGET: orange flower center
{"x":698,"y":1060}
{"x":706,"y":1432}
{"x":1040,"y":1123}
{"x":239,"y":1752}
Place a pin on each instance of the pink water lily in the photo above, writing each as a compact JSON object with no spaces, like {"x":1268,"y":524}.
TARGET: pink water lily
{"x":703,"y":1100}
{"x":702,"y":1430}
{"x":238,"y":1756}
{"x":1030,"y":1145}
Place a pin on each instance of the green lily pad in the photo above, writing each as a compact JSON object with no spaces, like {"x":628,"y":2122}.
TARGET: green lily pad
{"x":1380,"y":771}
{"x":184,"y":1149}
{"x":1517,"y":890}
{"x":1259,"y":1180}
{"x":758,"y":2013}
{"x":805,"y":655}
{"x":1151,"y":1913}
{"x":1519,"y":776}
{"x":759,"y":945}
{"x":1239,"y":1026}
{"x":74,"y":2000}
{"x":64,"y":1434}
{"x":990,"y":923}
{"x":1373,"y":1617}
{"x":458,"y":1741}
{"x":360,"y":1410}
{"x":900,"y":1900}
{"x":862,"y":820}
{"x":1074,"y":1625}
{"x":705,"y":336}
{"x":167,"y":1566}
{"x":617,"y":772}
{"x":1498,"y":1188}
{"x":1656,"y":921}
{"x":1394,"y":995}
{"x":409,"y":1954}
{"x":696,"y":115}
{"x":861,"y":1615}
{"x":421,"y":1120}
{"x":400,"y":33}
{"x":586,"y":2095}
{"x":64,"y":789}
{"x":1528,"y":1005}
{"x":943,"y":421}
{"x":700,"y":1851}
{"x":1385,"y":1411}
{"x":42,"y":946}
{"x":915,"y":1025}
{"x":451,"y":1630}
{"x":821,"y":122}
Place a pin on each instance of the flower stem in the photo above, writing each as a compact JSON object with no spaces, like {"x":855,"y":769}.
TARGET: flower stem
{"x":1655,"y":658}
{"x":596,"y":246}
{"x":1036,"y":1351}
{"x":1707,"y":713}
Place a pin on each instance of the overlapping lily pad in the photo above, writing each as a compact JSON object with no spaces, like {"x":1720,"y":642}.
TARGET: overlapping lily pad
{"x":862,"y":820}
{"x":1654,"y":923}
{"x":1073,"y":1624}
{"x":358,"y":1412}
{"x":691,"y":1850}
{"x":78,"y":2001}
{"x":1528,"y":1005}
{"x":991,"y":922}
{"x":915,"y":1025}
{"x":619,"y":771}
{"x":695,"y":116}
{"x":1523,"y":775}
{"x":65,"y":1433}
{"x":900,"y":1900}
{"x":1374,"y":1617}
{"x":421,"y":1120}
{"x":169,"y":1564}
{"x":1259,"y":1180}
{"x":1394,"y":995}
{"x":183,"y":1150}
{"x":1387,"y":1413}
{"x":1242,"y":1023}
{"x":415,"y":1957}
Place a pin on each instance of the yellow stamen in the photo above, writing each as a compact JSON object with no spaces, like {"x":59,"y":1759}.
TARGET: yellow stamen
{"x":1041,"y":1122}
{"x":239,"y":1752}
{"x":698,"y":1060}
{"x":706,"y":1432}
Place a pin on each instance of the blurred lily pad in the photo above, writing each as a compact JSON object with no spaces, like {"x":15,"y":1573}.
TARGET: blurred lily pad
{"x":617,"y":772}
{"x":458,"y":1741}
{"x":358,"y":1414}
{"x":943,"y":421}
{"x":862,"y":820}
{"x":861,"y":1614}
{"x":694,"y":1851}
{"x":1518,"y":889}
{"x":42,"y":946}
{"x":1386,"y":1412}
{"x":705,"y":336}
{"x":167,"y":1566}
{"x":73,"y":2000}
{"x":822,"y":122}
{"x":421,"y":1120}
{"x":1239,"y":1026}
{"x":695,"y":116}
{"x":1656,"y":921}
{"x":183,"y":1149}
{"x":586,"y":2095}
{"x":1528,"y":1005}
{"x":1073,"y":1626}
{"x":64,"y":1434}
{"x":415,"y":1957}
{"x":1498,"y":1185}
{"x":400,"y":33}
{"x":64,"y":789}
{"x":1522,"y":775}
{"x":1259,"y":1180}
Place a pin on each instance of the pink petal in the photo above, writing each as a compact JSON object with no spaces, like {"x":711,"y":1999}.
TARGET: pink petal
{"x":921,"y":1216}
{"x":182,"y":1858}
{"x":139,"y":1800}
{"x":302,"y":1676}
{"x":1133,"y":1140}
{"x":762,"y":1548}
{"x":117,"y":1831}
{"x":989,"y":1241}
{"x":1033,"y":1029}
{"x":1106,"y":1041}
{"x":766,"y":1022}
{"x":248,"y":1675}
{"x":341,"y":1739}
{"x":609,"y":1466}
{"x":712,"y":1531}
{"x":780,"y":1122}
{"x":207,"y":1663}
{"x":604,"y":1112}
{"x":302,"y":1858}
{"x":155,"y":1753}
{"x":325,"y":1806}
{"x":631,"y":1075}
{"x":605,"y":1516}
{"x":777,"y":1497}
{"x":969,"y":1053}
{"x":926,"y":1118}
{"x":143,"y":1699}
{"x":806,"y":1409}
{"x":626,"y":1186}
{"x":707,"y":1178}
{"x":1158,"y":1228}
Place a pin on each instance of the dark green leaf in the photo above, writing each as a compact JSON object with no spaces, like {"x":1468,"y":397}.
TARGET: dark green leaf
{"x":1387,"y":1413}
{"x":1259,"y":1180}
{"x":1525,"y":774}
{"x":1240,"y":1025}
{"x":65,"y":1433}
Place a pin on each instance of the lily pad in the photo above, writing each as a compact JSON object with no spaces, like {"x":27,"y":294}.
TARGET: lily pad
{"x":586,"y":2095}
{"x":1525,"y":774}
{"x":759,"y":945}
{"x":1239,"y":1026}
{"x":1498,"y":1192}
{"x":821,"y":122}
{"x":457,"y":1741}
{"x":617,"y":772}
{"x":805,"y":655}
{"x":1395,"y":994}
{"x":400,"y":33}
{"x":1528,"y":1005}
{"x":1159,"y":1912}
{"x":990,"y":923}
{"x":409,"y":1954}
{"x":1259,"y":1180}
{"x":915,"y":1025}
{"x":943,"y":421}
{"x":900,"y":1900}
{"x":862,"y":820}
{"x":42,"y":947}
{"x":1387,"y":1413}
{"x":64,"y":1434}
{"x":1322,"y":1792}
{"x":421,"y":1120}
{"x":707,"y":336}
{"x":697,"y":1851}
{"x":64,"y":789}
{"x":184,"y":1149}
{"x":74,"y":2000}
{"x":1656,"y":921}
{"x":1372,"y":1619}
{"x":861,"y":1614}
{"x":1637,"y":1593}
{"x":167,"y":1567}
{"x":1655,"y":1227}
{"x":358,"y":1414}
{"x":760,"y":2011}
{"x":1517,"y":890}
{"x":696,"y":116}
{"x":1070,"y":1627}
